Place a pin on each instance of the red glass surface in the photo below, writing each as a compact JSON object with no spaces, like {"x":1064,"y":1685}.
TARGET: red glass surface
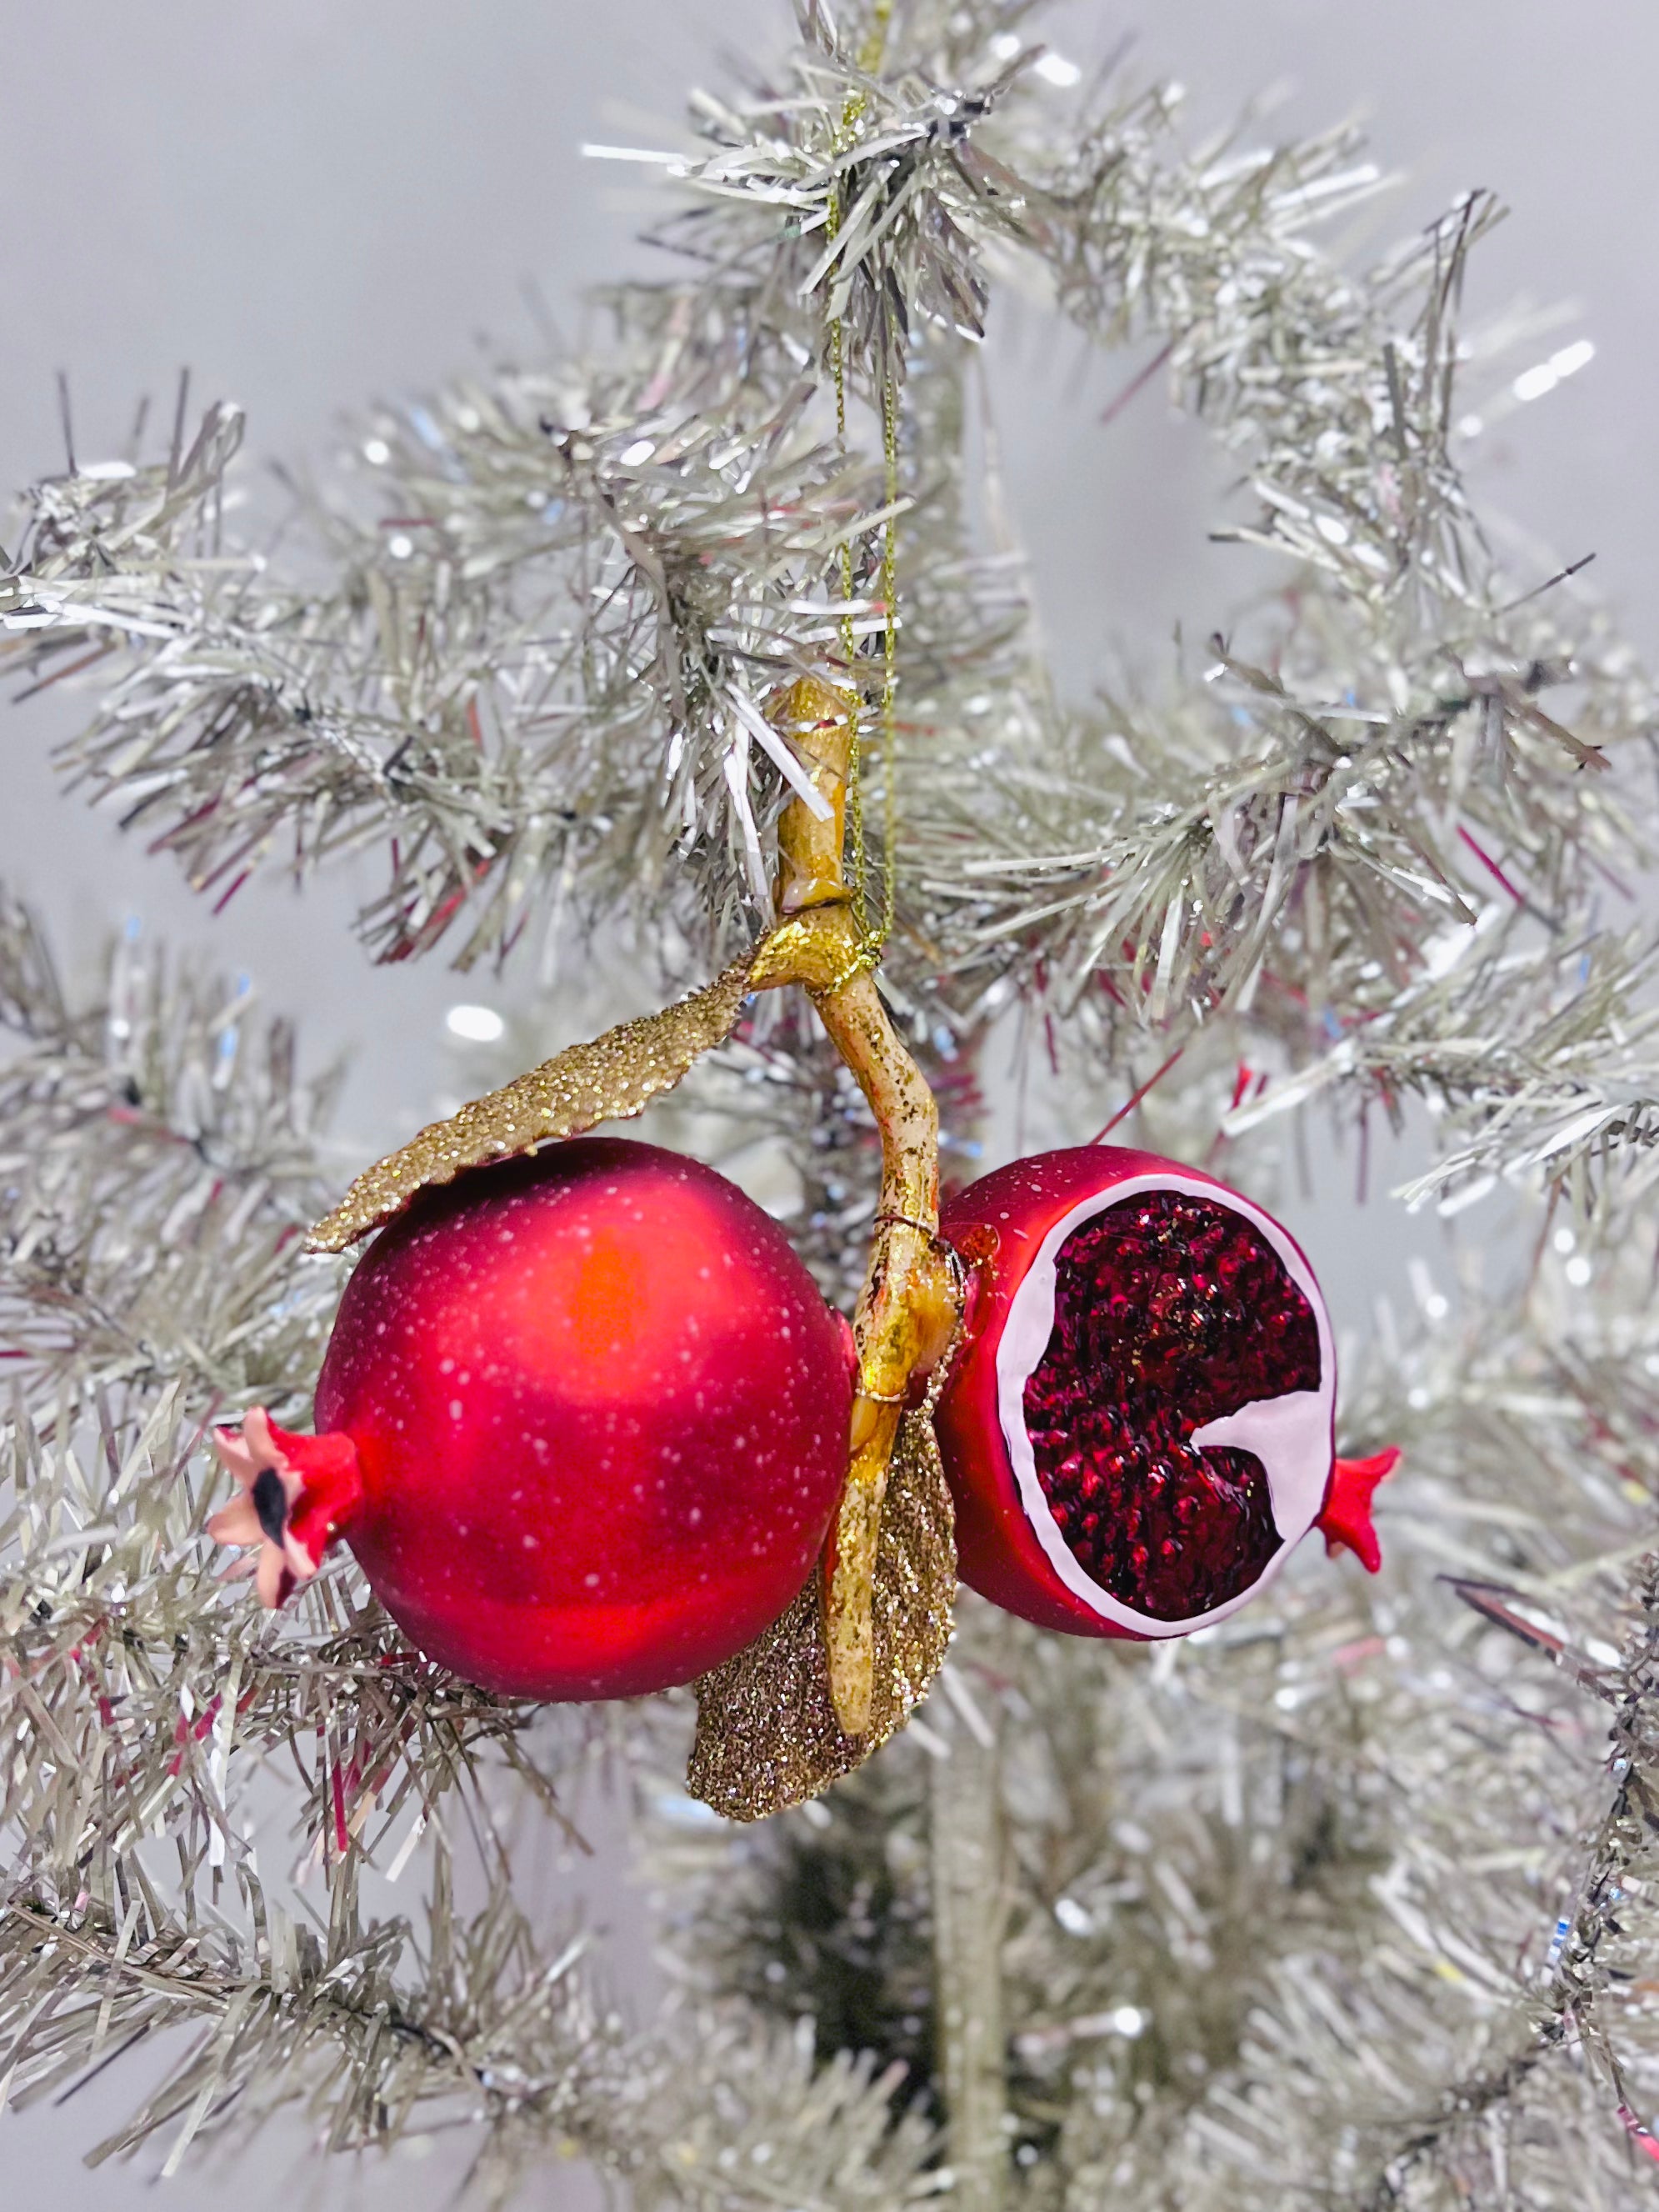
{"x":1149,"y":1342}
{"x":601,"y":1415}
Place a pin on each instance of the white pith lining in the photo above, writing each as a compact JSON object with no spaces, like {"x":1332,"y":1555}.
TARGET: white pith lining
{"x":1291,"y":1434}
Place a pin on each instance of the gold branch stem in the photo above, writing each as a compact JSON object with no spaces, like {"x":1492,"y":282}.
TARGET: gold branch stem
{"x":908,"y":1306}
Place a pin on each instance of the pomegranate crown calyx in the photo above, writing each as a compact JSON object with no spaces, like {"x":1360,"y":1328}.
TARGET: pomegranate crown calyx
{"x":1345,"y":1520}
{"x":295,"y":1494}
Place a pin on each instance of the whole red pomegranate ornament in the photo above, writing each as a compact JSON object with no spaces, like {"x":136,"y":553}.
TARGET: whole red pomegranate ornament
{"x":1139,"y":1425}
{"x":584,"y":1423}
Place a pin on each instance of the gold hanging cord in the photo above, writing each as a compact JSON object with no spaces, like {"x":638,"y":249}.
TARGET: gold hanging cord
{"x":873,"y":938}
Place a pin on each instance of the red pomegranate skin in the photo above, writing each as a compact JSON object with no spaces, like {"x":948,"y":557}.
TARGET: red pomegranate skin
{"x":999,"y":1555}
{"x":601,"y":1412}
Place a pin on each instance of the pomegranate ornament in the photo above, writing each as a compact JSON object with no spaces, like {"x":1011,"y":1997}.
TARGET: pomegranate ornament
{"x":1139,"y":1427}
{"x":587,"y":1424}
{"x":584,"y":1420}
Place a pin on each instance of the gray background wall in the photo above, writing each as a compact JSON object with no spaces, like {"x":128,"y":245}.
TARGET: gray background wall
{"x":312,"y":204}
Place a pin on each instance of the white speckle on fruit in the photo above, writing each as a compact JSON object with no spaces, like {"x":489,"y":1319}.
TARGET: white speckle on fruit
{"x":456,"y":1409}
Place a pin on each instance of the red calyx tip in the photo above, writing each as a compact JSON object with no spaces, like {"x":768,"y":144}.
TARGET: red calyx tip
{"x":295,"y":1493}
{"x":1345,"y":1519}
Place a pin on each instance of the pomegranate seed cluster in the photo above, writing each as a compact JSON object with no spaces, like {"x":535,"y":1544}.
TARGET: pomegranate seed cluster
{"x":1170,"y":1311}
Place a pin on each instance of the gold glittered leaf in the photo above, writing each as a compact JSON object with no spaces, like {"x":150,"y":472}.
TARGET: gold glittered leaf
{"x":612,"y":1080}
{"x":767,"y":1736}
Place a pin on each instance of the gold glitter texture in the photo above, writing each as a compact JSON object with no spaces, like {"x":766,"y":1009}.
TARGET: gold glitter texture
{"x":767,"y":1733}
{"x":612,"y":1080}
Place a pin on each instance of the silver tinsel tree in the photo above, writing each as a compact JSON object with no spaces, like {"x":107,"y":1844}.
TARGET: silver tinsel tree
{"x":1341,"y":1903}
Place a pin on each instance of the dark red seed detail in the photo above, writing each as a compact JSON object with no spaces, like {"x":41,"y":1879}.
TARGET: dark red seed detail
{"x":1170,"y":1311}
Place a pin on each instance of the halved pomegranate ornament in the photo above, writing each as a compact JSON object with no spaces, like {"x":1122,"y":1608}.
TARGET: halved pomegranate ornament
{"x":584,"y":1423}
{"x":1139,"y":1425}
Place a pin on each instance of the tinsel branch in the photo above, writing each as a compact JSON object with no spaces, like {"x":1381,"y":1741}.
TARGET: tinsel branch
{"x":1616,"y":1871}
{"x":559,"y":592}
{"x":967,"y":1882}
{"x":494,"y":2036}
{"x":1535,"y":1062}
